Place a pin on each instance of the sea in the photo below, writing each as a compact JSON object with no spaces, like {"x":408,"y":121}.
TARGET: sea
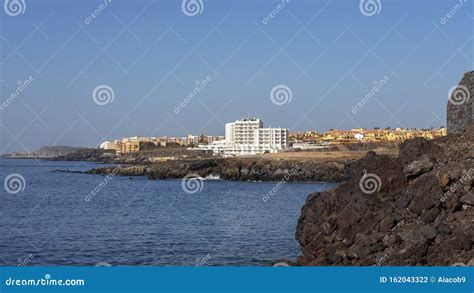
{"x":65,"y":219}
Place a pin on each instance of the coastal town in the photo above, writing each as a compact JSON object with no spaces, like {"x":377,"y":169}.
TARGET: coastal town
{"x":248,"y":136}
{"x":237,"y":146}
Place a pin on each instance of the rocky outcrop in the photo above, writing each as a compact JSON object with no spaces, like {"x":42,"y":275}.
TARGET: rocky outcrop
{"x":461,"y":104}
{"x":141,"y":157}
{"x":241,"y":169}
{"x":416,"y":209}
{"x":87,"y":155}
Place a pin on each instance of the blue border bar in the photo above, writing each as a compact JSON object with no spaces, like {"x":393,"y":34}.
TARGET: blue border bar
{"x":242,"y":279}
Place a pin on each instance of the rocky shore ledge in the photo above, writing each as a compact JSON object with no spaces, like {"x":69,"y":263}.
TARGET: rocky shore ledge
{"x":331,"y":164}
{"x":416,"y":209}
{"x":241,"y":169}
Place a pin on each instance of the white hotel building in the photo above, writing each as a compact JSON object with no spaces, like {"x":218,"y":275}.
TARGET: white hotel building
{"x":248,"y":137}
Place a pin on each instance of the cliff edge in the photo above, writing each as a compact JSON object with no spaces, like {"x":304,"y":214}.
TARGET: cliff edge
{"x":415,"y":209}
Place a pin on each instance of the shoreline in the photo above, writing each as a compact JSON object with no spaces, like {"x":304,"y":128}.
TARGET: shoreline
{"x":315,"y":166}
{"x":403,"y":211}
{"x":246,"y":170}
{"x":202,"y":178}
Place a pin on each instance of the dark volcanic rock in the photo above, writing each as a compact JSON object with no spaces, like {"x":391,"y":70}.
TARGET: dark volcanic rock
{"x":241,"y":169}
{"x":418,"y":148}
{"x":461,"y":105}
{"x":417,"y":168}
{"x":416,"y":209}
{"x":138,"y":158}
{"x":89,"y":155}
{"x":428,"y":232}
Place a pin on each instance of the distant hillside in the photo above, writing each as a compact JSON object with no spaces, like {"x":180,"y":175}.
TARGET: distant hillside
{"x":86,"y":154}
{"x":54,"y":151}
{"x":47,"y":152}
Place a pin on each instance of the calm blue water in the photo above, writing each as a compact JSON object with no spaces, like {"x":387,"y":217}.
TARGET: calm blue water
{"x":143,"y":222}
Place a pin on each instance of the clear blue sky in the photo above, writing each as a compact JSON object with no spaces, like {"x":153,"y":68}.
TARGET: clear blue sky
{"x":151,"y":54}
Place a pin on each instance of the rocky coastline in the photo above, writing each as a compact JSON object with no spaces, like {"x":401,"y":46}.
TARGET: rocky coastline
{"x":135,"y":158}
{"x":239,"y":169}
{"x":416,"y":209}
{"x":331,"y":164}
